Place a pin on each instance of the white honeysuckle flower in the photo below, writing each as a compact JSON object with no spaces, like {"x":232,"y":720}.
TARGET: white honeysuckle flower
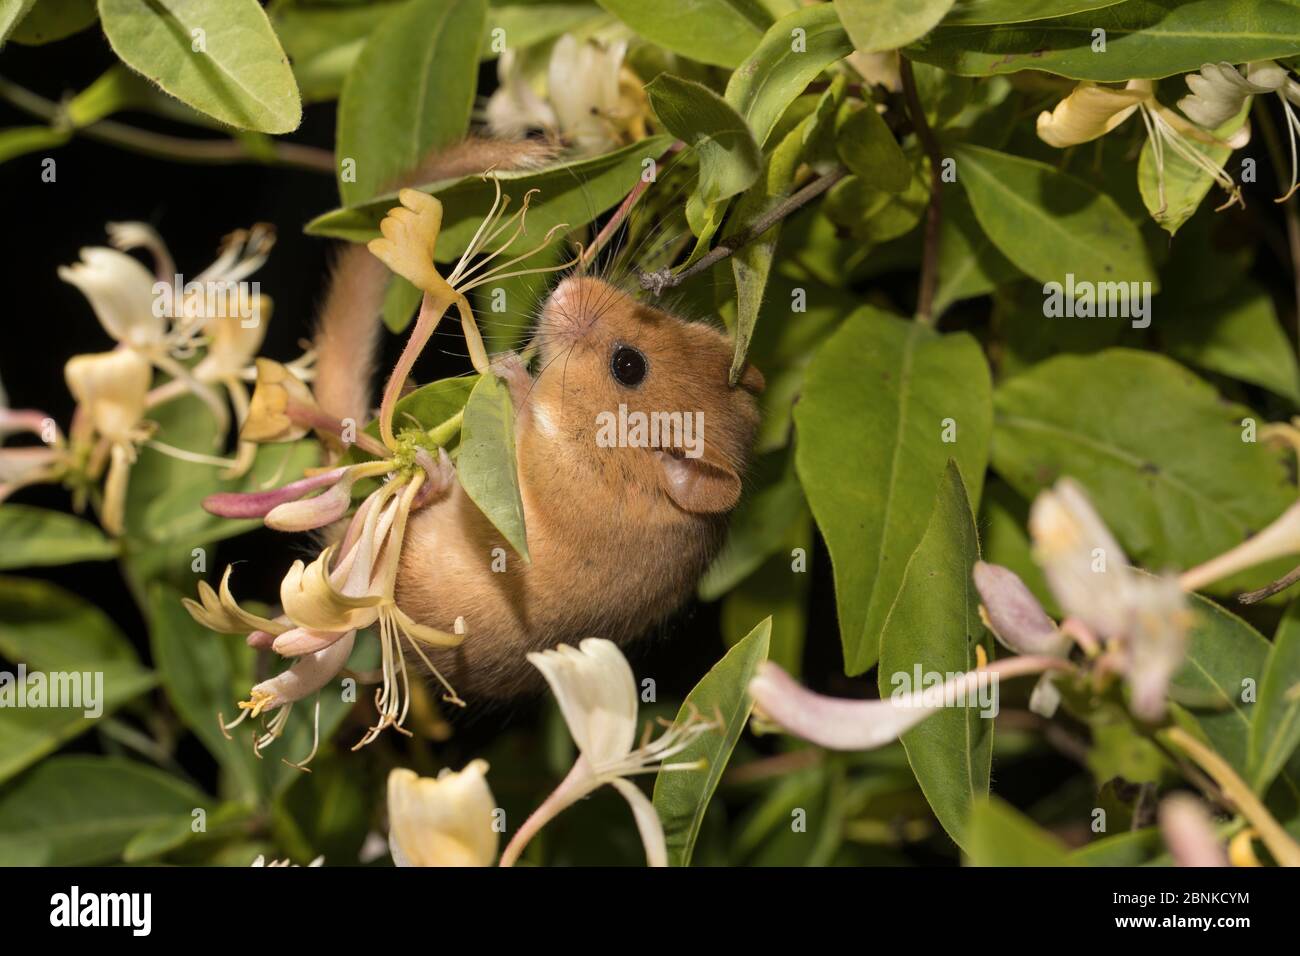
{"x":1085,"y":566}
{"x":32,"y":464}
{"x":596,"y":691}
{"x":442,"y":821}
{"x":233,"y":345}
{"x":516,"y":109}
{"x":120,"y":291}
{"x":1219,"y":91}
{"x":1091,"y":111}
{"x":1143,"y":619}
{"x":593,"y":102}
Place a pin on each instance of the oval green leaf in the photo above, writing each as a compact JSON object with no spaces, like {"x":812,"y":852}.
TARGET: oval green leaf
{"x":729,"y":157}
{"x":223,"y":59}
{"x":682,"y":796}
{"x":33,"y":537}
{"x":720,"y":32}
{"x":487,"y":466}
{"x":871,"y":454}
{"x":410,"y":91}
{"x":876,"y":25}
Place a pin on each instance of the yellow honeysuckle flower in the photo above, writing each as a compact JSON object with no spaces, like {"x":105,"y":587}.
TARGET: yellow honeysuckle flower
{"x":442,"y":821}
{"x":218,"y":611}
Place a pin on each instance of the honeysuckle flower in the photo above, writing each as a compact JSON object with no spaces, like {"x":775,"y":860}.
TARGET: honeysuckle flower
{"x":843,"y":724}
{"x":442,"y":821}
{"x":1278,"y":539}
{"x":120,"y":291}
{"x":282,"y":407}
{"x":163,"y":320}
{"x":347,"y":588}
{"x":1188,"y":831}
{"x":410,"y":233}
{"x":1143,"y":619}
{"x":111,"y":389}
{"x":593,"y":103}
{"x":32,"y":464}
{"x":596,"y":691}
{"x":1220,"y":92}
{"x":1014,"y":615}
{"x":1092,"y":111}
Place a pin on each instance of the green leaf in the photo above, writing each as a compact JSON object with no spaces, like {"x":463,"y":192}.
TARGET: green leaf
{"x":729,"y":157}
{"x":1226,"y":657}
{"x":222,"y":59}
{"x":433,"y":404}
{"x":53,"y":632}
{"x":886,"y":24}
{"x":49,"y":628}
{"x":1122,"y":849}
{"x":721,"y":32}
{"x":770,"y":79}
{"x":1238,"y":335}
{"x":487,"y":466}
{"x":198,"y":674}
{"x":999,"y":835}
{"x":34,"y":537}
{"x":11,"y":14}
{"x":1145,"y":39}
{"x":324,"y":41}
{"x":871,"y":454}
{"x":1050,"y":224}
{"x":932,"y":628}
{"x":410,"y":91}
{"x":401,"y":302}
{"x":52,"y":20}
{"x":1185,"y":183}
{"x":84,"y":810}
{"x":1275,"y":726}
{"x":1159,"y":452}
{"x":969,"y":263}
{"x":527,"y":25}
{"x":682,"y":796}
{"x":980,"y":12}
{"x":869,"y":150}
{"x":571,"y":193}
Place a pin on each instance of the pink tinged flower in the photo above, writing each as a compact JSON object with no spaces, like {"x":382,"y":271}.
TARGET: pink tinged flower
{"x":1189,"y":833}
{"x":1014,"y":615}
{"x":304,"y":677}
{"x":303,"y":640}
{"x":257,"y":504}
{"x":839,"y":724}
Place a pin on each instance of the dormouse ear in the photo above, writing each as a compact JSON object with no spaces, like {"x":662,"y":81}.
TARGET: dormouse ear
{"x":699,"y":486}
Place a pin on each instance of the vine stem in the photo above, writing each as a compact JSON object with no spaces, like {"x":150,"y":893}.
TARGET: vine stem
{"x":934,"y":212}
{"x":165,"y":146}
{"x":665,"y":278}
{"x":1284,"y":849}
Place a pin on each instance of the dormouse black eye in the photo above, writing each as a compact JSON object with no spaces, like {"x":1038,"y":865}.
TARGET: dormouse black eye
{"x":627,"y":365}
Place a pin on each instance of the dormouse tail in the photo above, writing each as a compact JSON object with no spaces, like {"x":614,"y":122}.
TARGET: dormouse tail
{"x":347,"y":335}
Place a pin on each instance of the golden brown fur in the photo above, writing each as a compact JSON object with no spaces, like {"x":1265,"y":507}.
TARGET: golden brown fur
{"x":618,"y":536}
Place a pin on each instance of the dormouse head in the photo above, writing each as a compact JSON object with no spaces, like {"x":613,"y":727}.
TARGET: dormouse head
{"x":648,"y":391}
